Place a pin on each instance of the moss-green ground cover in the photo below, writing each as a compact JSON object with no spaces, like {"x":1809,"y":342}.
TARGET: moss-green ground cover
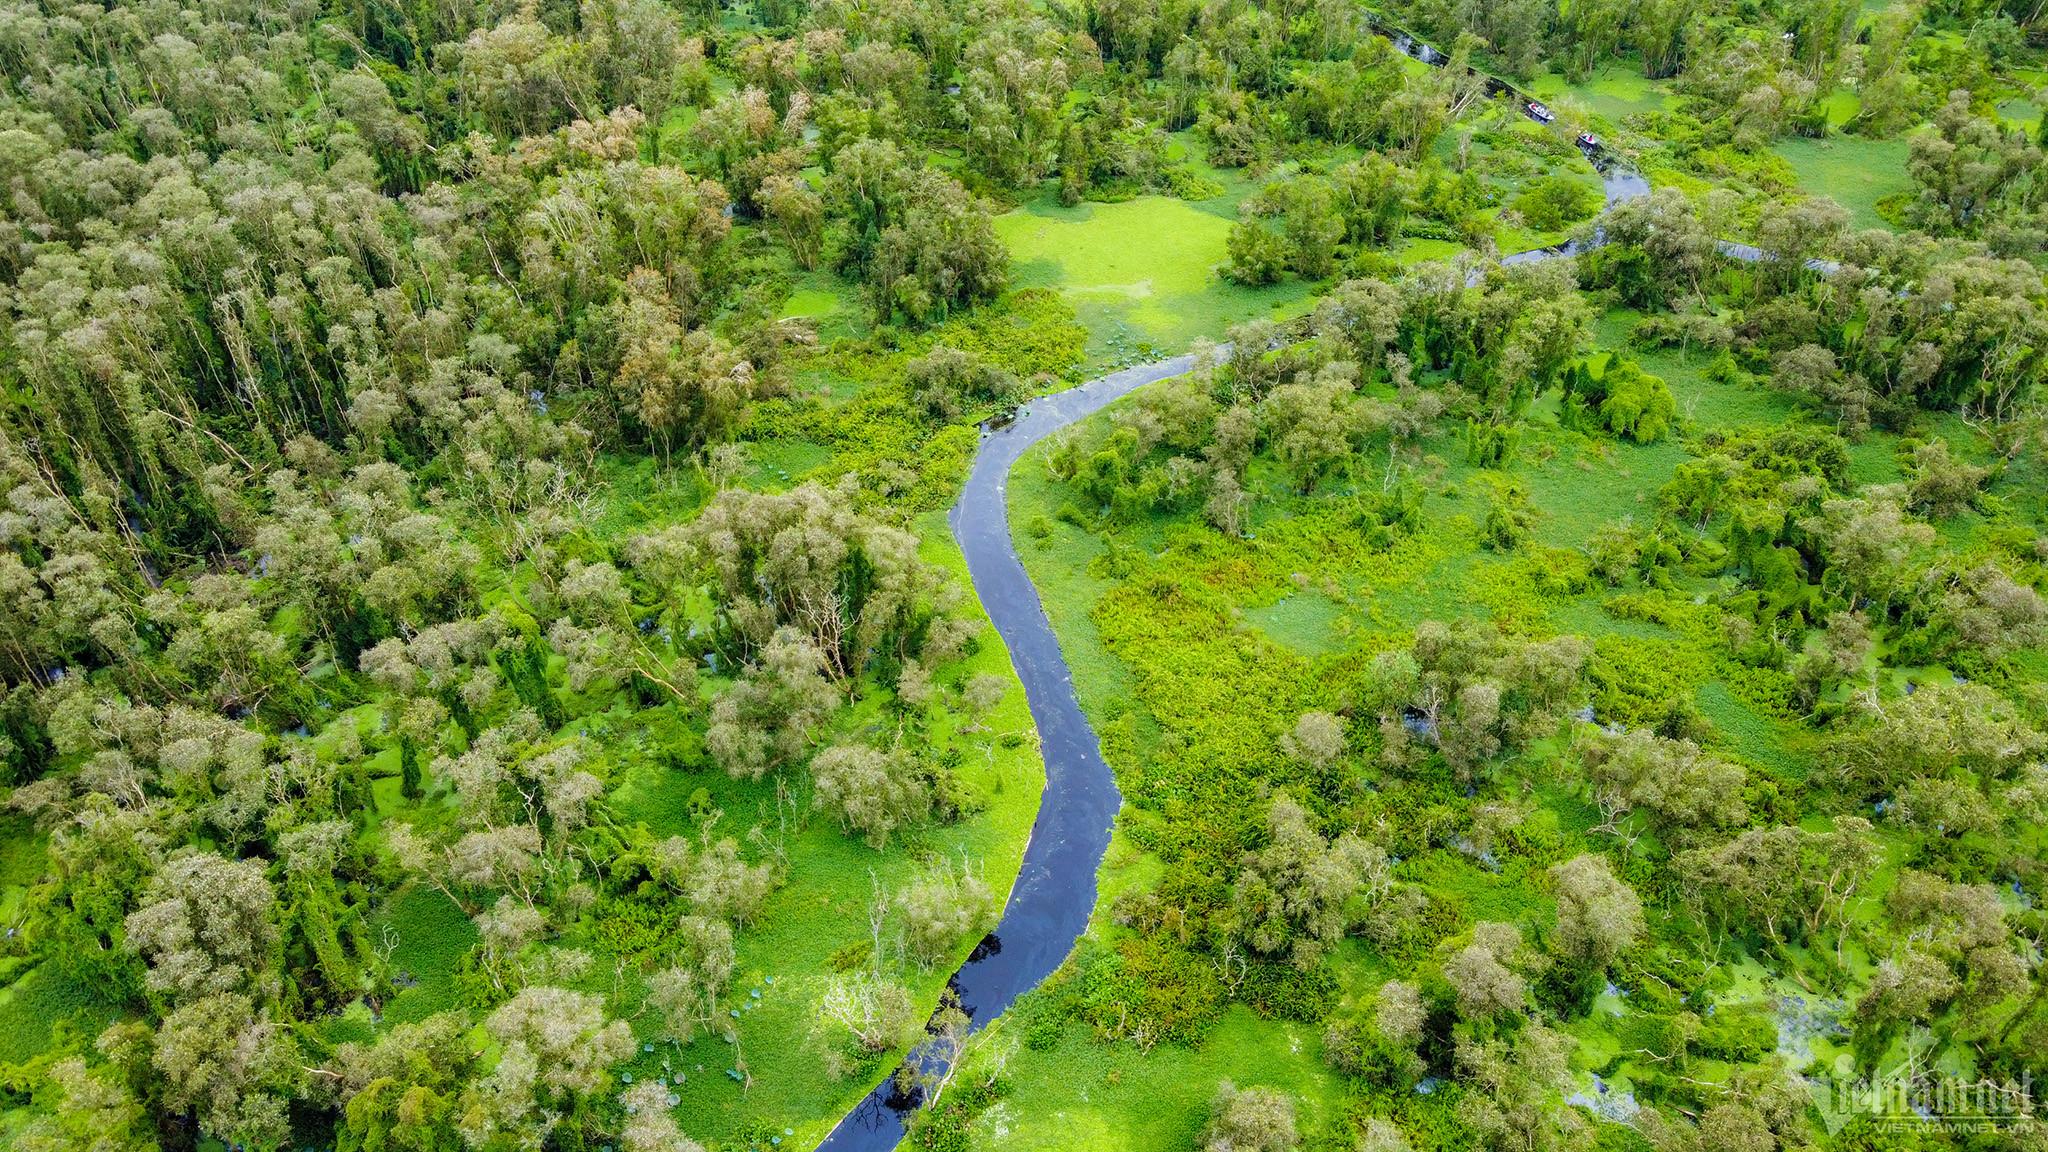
{"x":1141,"y":274}
{"x":2021,"y":113}
{"x":1614,"y":89}
{"x":1118,"y":1099}
{"x":1854,"y":171}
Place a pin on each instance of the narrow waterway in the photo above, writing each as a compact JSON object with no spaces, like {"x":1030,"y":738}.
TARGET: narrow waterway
{"x":1050,"y":903}
{"x":1054,"y":895}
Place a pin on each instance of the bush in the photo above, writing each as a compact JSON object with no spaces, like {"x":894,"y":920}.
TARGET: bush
{"x":1149,"y":989}
{"x":1629,"y":401}
{"x":1258,"y":255}
{"x":1508,"y":519}
{"x":1250,"y":1120}
{"x":1184,"y":183}
{"x":1282,"y":990}
{"x":947,"y":382}
{"x":1638,"y":405}
{"x":1553,"y":203}
{"x":1490,"y":445}
{"x":943,"y":909}
{"x":1739,"y":1035}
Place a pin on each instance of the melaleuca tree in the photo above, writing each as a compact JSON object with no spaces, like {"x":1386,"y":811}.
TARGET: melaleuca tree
{"x":1599,"y":917}
{"x":519,"y":78}
{"x":1985,"y":613}
{"x":798,"y":214}
{"x":326,"y":944}
{"x":1681,"y":789}
{"x":1295,"y":896}
{"x":1365,"y":316}
{"x":520,"y":801}
{"x":557,"y":1046}
{"x":853,"y":588}
{"x":943,"y":909}
{"x":947,"y":381}
{"x":1943,"y":484}
{"x":639,"y":56}
{"x":1864,"y":542}
{"x":1317,"y":423}
{"x":870,"y":791}
{"x":1014,"y":80}
{"x":650,"y":1124}
{"x":101,"y":858}
{"x":1655,"y":251}
{"x":206,"y":926}
{"x":688,"y":992}
{"x":1964,"y":731}
{"x":224,"y":1061}
{"x":771,"y":714}
{"x":1967,"y":170}
{"x":404,"y":1086}
{"x":747,"y":143}
{"x":1958,"y":953}
{"x":918,"y":242}
{"x":1317,"y":740}
{"x":712,"y":878}
{"x":1250,"y":1120}
{"x":1124,"y":30}
{"x":1791,"y":883}
{"x":1513,"y":1087}
{"x":97,"y":1112}
{"x":1483,"y":975}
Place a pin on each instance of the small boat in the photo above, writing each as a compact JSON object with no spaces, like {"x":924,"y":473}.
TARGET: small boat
{"x":1539,"y":113}
{"x":1588,"y":141}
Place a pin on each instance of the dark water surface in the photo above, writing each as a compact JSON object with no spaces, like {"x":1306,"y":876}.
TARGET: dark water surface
{"x":1055,"y":890}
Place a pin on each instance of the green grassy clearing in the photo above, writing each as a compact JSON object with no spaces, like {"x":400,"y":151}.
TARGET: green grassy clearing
{"x":1855,"y":172}
{"x":2021,"y":112}
{"x":21,"y":865}
{"x":1141,"y":274}
{"x":1118,"y":1099}
{"x":1308,"y":622}
{"x":1423,"y":249}
{"x":43,"y":1007}
{"x":1614,"y":90}
{"x":429,"y":935}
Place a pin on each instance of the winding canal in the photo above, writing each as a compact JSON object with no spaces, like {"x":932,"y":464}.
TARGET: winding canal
{"x":1054,"y":894}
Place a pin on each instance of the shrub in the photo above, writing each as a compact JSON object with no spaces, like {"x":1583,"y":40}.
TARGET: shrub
{"x":1258,"y":255}
{"x":1250,"y":1120}
{"x":869,"y":791}
{"x":941,"y":909}
{"x":1638,"y":405}
{"x":1555,"y":202}
{"x":947,"y":382}
{"x":1508,"y":519}
{"x":1629,"y":401}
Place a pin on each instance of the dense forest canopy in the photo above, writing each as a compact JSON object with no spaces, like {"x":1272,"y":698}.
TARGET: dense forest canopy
{"x":481,"y":666}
